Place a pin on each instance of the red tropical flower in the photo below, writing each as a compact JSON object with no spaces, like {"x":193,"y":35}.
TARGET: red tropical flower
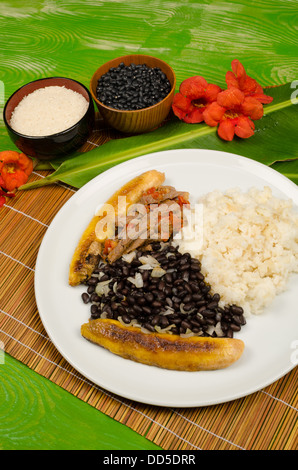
{"x":3,"y":196}
{"x":15,"y":169}
{"x":234,"y":112}
{"x":2,"y":199}
{"x":194,"y":96}
{"x":249,"y":86}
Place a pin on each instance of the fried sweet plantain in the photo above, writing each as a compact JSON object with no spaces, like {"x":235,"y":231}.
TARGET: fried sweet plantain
{"x":90,"y":247}
{"x":166,"y":351}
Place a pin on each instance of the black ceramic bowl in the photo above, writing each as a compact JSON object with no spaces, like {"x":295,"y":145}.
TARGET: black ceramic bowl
{"x":55,"y":145}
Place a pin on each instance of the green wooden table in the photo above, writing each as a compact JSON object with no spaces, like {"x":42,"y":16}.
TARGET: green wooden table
{"x":71,"y":38}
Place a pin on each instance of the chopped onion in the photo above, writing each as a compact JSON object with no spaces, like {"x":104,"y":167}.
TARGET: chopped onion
{"x":103,"y":288}
{"x":187,"y":334}
{"x":145,"y":266}
{"x":158,"y":272}
{"x":168,"y":311}
{"x":149,"y":260}
{"x":137,"y":280}
{"x":144,"y":330}
{"x":184,"y":311}
{"x":129,"y":257}
{"x":218,"y":329}
{"x":210,"y":330}
{"x":164,"y":330}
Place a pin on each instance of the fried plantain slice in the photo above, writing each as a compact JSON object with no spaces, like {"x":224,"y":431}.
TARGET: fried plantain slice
{"x":88,"y":251}
{"x":166,"y":351}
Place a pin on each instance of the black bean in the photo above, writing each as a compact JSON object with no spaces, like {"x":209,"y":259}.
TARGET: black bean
{"x":195,"y":323}
{"x":155,"y":320}
{"x":148,"y":85}
{"x":93,"y":309}
{"x":188,"y":306}
{"x":208,"y":313}
{"x":197,"y":297}
{"x":182,"y":288}
{"x":236,"y":319}
{"x":168,"y":278}
{"x":94,"y":297}
{"x":96,"y":314}
{"x":126,"y":318}
{"x":184,"y":267}
{"x":177,"y":282}
{"x":195,"y":267}
{"x":141,"y":301}
{"x":212,"y":305}
{"x":130,"y":299}
{"x":164,"y":322}
{"x":149,"y":327}
{"x":185,"y":324}
{"x":237,"y":310}
{"x":137,"y":308}
{"x":235,"y":327}
{"x":149,"y":297}
{"x":145,"y":275}
{"x":201,"y":320}
{"x":216,"y":298}
{"x":194,"y":287}
{"x":146,"y":310}
{"x":200,"y":276}
{"x":85,"y":298}
{"x":187,"y":287}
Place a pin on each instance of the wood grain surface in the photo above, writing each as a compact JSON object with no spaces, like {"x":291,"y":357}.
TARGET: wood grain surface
{"x":38,"y":415}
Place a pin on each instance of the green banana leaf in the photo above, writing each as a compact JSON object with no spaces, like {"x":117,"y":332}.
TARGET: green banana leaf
{"x":288,"y":169}
{"x":274,"y":143}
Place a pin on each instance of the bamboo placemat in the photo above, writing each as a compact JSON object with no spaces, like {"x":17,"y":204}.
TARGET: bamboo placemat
{"x":265,"y":420}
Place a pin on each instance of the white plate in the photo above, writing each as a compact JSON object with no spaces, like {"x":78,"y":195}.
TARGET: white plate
{"x":270,"y":339}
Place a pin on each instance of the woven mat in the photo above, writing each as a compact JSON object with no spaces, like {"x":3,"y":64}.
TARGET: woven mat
{"x":265,"y":420}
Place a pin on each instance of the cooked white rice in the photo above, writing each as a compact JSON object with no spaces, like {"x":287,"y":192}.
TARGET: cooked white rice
{"x":249,"y":246}
{"x":48,"y":110}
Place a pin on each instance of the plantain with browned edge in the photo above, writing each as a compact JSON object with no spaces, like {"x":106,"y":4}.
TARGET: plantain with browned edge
{"x":90,"y":246}
{"x":166,"y":351}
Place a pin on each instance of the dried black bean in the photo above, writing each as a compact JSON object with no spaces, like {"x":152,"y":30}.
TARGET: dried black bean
{"x":125,"y":88}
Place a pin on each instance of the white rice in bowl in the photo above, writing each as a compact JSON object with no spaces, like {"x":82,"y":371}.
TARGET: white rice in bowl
{"x":249,"y":246}
{"x":48,"y":110}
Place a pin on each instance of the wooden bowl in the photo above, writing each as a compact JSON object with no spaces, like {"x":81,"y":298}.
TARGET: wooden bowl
{"x":136,"y":121}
